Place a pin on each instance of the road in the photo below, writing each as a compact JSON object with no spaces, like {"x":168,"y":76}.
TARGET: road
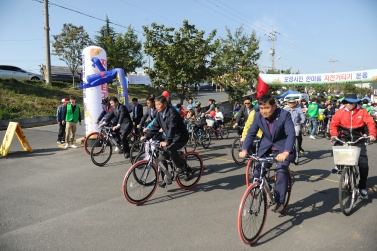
{"x":56,"y":199}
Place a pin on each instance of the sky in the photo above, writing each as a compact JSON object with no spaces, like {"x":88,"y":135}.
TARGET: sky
{"x":313,"y":36}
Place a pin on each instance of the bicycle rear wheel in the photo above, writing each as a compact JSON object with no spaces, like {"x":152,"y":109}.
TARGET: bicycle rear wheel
{"x":140,"y":156}
{"x":236,"y":149}
{"x":101,"y":151}
{"x":347,"y":191}
{"x":252,"y":213}
{"x":224,"y":133}
{"x":140,"y":182}
{"x":191,"y":143}
{"x":89,"y":140}
{"x":135,"y":150}
{"x":194,"y":172}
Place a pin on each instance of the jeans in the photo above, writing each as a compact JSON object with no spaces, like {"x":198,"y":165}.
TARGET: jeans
{"x":313,"y":123}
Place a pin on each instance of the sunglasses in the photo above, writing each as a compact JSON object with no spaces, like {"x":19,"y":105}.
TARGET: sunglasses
{"x":246,"y":103}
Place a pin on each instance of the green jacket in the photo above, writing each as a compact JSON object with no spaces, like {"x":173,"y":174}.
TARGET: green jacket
{"x":369,"y":109}
{"x":72,"y":116}
{"x":313,"y":110}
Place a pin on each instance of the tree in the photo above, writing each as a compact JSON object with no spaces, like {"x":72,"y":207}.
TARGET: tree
{"x":69,"y":44}
{"x":181,"y":57}
{"x":234,"y":64}
{"x":125,"y":51}
{"x":105,"y":33}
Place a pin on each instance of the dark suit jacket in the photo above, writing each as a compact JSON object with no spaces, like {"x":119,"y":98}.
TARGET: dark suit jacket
{"x":148,"y":114}
{"x":283,"y":134}
{"x":121,"y":116}
{"x":172,"y":125}
{"x":242,"y":113}
{"x":139,"y":114}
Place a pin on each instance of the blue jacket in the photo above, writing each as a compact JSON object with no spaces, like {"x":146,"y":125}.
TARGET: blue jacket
{"x":297,"y":115}
{"x":60,"y":114}
{"x":283,"y":134}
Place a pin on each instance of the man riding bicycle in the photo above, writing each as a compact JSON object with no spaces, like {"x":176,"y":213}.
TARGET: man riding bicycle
{"x":176,"y":135}
{"x":278,"y":139}
{"x":348,"y":125}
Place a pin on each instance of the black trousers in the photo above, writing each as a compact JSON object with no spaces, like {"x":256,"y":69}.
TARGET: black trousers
{"x":172,"y":151}
{"x":61,"y":133}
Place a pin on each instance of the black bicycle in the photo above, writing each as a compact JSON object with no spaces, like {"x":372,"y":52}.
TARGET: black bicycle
{"x":140,"y":181}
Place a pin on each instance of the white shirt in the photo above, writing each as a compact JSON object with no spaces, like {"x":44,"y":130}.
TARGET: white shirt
{"x":219,"y":116}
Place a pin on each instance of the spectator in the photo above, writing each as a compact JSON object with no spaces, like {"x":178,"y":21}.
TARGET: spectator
{"x":59,"y":119}
{"x":191,"y":104}
{"x":72,"y":115}
{"x":137,"y":110}
{"x":313,"y":117}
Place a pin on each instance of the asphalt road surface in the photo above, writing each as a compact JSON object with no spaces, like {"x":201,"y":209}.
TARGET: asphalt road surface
{"x":56,"y":199}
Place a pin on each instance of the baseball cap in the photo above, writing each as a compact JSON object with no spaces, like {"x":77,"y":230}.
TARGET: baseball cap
{"x":65,"y":100}
{"x":291,"y":100}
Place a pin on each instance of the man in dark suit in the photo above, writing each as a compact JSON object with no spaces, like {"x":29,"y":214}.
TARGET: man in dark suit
{"x":137,"y":111}
{"x":151,"y":112}
{"x":278,"y":139}
{"x":123,"y":122}
{"x":176,"y":134}
{"x":243,"y":113}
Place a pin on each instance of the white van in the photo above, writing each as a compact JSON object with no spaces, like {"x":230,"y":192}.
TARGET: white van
{"x":298,"y":96}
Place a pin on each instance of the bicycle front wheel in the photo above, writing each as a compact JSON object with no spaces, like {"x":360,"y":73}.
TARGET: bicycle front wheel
{"x":191,"y":143}
{"x":347,"y":191}
{"x":206,"y":139}
{"x":236,"y":149}
{"x":252,"y":214}
{"x":140,"y":182}
{"x":249,"y":172}
{"x":89,"y":140}
{"x":101,"y":151}
{"x":195,"y":168}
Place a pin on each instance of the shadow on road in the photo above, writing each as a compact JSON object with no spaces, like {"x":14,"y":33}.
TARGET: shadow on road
{"x":35,"y":153}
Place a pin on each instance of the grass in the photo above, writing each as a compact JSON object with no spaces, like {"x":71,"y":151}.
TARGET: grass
{"x":30,"y":99}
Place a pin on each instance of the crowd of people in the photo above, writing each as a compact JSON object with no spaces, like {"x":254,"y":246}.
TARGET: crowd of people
{"x":276,"y":123}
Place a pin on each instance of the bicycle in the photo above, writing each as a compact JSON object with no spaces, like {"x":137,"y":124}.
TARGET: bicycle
{"x":201,"y":137}
{"x":237,"y":147}
{"x":305,"y":128}
{"x":346,"y":159}
{"x":221,"y":130}
{"x":327,"y":131}
{"x":89,"y":139}
{"x":256,"y":200}
{"x":137,"y":147}
{"x":140,"y":181}
{"x":102,"y":148}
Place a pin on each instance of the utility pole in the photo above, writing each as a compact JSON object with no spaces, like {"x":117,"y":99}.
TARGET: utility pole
{"x":333,"y":61}
{"x":47,"y":45}
{"x":272,"y":38}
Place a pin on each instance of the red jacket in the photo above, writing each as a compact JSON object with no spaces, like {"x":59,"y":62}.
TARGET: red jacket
{"x":351,"y":123}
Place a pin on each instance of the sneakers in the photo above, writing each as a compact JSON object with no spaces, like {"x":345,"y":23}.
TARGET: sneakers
{"x":73,"y":146}
{"x":363,"y":194}
{"x":116,"y":149}
{"x":126,"y":155}
{"x":301,"y":151}
{"x":66,"y":146}
{"x":312,"y":137}
{"x":58,"y":142}
{"x":279,"y":207}
{"x":335,"y":170}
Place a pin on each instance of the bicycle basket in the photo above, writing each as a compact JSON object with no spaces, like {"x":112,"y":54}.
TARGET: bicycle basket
{"x":346,"y":155}
{"x":210,"y":122}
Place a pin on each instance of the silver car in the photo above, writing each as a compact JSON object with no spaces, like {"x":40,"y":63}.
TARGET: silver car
{"x":8,"y":71}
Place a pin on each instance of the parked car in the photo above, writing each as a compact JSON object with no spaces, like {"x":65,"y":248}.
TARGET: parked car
{"x":61,"y":73}
{"x":8,"y":71}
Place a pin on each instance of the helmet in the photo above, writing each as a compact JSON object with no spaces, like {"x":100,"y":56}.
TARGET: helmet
{"x":320,"y":117}
{"x":105,"y":100}
{"x":197,"y":104}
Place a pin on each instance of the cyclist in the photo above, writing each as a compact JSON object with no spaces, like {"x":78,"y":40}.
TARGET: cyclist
{"x":330,"y":111}
{"x":151,"y":112}
{"x":219,"y":120}
{"x":278,"y":139}
{"x":298,"y":117}
{"x":106,"y":110}
{"x":122,"y":123}
{"x":348,"y":125}
{"x":244,"y":112}
{"x":191,"y":104}
{"x":176,"y":135}
{"x":212,"y":106}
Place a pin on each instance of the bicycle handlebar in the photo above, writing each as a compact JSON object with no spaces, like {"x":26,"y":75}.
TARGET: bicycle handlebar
{"x":260,"y":159}
{"x":351,"y":142}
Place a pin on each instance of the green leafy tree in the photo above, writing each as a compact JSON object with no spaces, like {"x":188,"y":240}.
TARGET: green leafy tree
{"x":181,"y":57}
{"x":234,"y":64}
{"x":106,"y":36}
{"x":68,"y":46}
{"x":125,"y":51}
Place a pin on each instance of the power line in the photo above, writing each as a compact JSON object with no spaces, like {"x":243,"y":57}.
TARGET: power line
{"x":20,"y":40}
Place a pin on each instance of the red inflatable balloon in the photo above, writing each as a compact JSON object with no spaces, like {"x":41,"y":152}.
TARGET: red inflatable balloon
{"x":213,"y":113}
{"x":166,"y":94}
